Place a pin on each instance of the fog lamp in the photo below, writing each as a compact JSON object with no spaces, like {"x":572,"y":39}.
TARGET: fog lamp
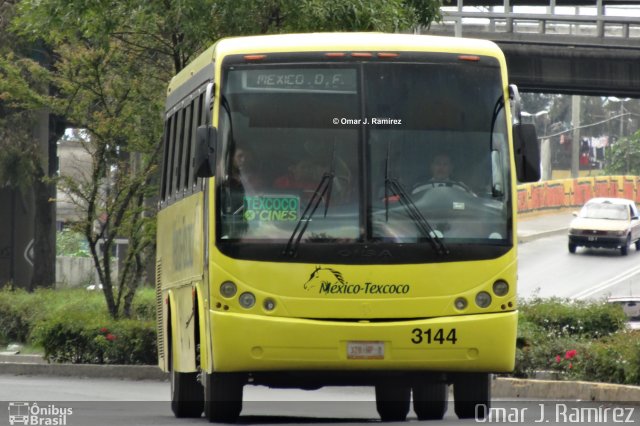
{"x":269,"y":304}
{"x":460,"y":303}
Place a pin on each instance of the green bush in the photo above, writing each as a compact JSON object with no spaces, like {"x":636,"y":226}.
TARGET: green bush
{"x":591,"y":319}
{"x":576,"y":340}
{"x":76,"y":338}
{"x":67,"y":324}
{"x":13,"y":324}
{"x":71,"y":243}
{"x":615,"y":359}
{"x":20,"y":310}
{"x":144,"y":305}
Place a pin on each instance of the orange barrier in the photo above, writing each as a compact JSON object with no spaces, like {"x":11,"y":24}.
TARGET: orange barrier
{"x":582,"y":191}
{"x":554,"y":195}
{"x":523,"y":198}
{"x":560,"y":193}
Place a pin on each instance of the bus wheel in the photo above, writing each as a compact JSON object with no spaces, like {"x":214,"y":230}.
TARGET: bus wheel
{"x":392,"y":402}
{"x":222,"y":397}
{"x":430,"y":400}
{"x":187,"y":399}
{"x":471,"y":395}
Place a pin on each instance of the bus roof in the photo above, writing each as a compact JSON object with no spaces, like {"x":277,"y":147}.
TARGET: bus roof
{"x":326,"y":42}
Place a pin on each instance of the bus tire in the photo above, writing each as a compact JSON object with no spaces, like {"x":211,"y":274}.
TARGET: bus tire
{"x":187,"y":397}
{"x":471,"y":395}
{"x":392,"y":402}
{"x":222,"y":397}
{"x":430,"y":400}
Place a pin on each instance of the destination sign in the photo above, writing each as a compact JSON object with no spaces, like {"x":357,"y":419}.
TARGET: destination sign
{"x":301,"y":79}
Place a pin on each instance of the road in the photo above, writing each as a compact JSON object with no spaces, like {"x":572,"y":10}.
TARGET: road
{"x":546,"y":269}
{"x":102,"y":402}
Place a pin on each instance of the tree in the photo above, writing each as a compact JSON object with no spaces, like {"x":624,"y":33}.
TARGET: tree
{"x":23,"y":89}
{"x":623,"y":157}
{"x":113,"y":61}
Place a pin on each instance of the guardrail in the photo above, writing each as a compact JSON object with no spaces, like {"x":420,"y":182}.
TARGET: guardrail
{"x":596,"y":20}
{"x":559,"y":193}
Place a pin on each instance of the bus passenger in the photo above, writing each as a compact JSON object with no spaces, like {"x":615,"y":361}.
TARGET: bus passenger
{"x":303,"y":175}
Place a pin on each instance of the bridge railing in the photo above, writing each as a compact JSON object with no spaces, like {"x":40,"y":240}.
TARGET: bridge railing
{"x":597,"y":21}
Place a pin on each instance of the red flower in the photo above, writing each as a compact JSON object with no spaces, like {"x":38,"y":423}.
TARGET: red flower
{"x":570,"y":354}
{"x":104,"y":330}
{"x":570,"y":365}
{"x":558,"y":359}
{"x":110,"y":337}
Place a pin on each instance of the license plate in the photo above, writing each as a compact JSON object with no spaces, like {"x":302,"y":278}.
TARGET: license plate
{"x":365,"y":350}
{"x":592,"y":238}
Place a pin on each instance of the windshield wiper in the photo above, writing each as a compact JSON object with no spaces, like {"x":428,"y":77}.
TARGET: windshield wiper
{"x":413,"y":211}
{"x":415,"y":215}
{"x":323,"y":190}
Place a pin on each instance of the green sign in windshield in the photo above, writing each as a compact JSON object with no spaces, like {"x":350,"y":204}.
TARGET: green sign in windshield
{"x":271,"y":208}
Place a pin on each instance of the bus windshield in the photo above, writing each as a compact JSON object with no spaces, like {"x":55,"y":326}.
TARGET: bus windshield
{"x":363,"y":153}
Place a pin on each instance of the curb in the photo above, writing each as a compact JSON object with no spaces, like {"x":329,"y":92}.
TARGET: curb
{"x":526,"y":237}
{"x":502,"y":387}
{"x":563,"y":390}
{"x":128,"y":372}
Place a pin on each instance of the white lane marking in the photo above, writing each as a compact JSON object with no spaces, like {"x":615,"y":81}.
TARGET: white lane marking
{"x":608,"y":283}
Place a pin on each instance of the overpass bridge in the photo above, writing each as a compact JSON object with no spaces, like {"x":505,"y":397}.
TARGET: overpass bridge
{"x":588,"y":47}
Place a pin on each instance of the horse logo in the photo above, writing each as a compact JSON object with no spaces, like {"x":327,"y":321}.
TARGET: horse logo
{"x":323,"y":275}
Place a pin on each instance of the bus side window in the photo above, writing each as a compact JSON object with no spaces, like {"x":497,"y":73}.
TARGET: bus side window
{"x":177,"y":156}
{"x":165,"y":158}
{"x":186,"y":149}
{"x":196,"y":107}
{"x":172,"y":141}
{"x":200,"y":119}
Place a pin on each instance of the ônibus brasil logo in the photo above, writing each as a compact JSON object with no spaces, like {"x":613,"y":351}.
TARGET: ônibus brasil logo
{"x":32,"y":414}
{"x":331,"y":281}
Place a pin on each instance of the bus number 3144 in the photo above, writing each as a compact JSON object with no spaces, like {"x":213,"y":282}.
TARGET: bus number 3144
{"x":430,"y":336}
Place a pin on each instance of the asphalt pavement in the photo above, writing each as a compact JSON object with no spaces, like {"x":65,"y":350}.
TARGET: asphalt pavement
{"x":530,"y":226}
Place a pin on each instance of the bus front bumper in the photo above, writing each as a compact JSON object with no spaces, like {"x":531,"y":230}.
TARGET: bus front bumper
{"x":466,"y":343}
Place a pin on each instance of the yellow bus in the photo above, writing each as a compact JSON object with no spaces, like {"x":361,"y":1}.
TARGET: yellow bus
{"x":340,"y":209}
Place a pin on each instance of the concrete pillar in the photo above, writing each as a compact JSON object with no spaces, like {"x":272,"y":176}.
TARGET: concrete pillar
{"x":545,"y":158}
{"x":575,"y":141}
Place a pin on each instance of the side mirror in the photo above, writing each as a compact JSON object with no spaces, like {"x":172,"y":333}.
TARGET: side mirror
{"x":205,"y":158}
{"x":526,"y":152}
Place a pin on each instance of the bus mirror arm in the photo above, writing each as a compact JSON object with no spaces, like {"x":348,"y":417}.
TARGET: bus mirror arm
{"x":205,"y":158}
{"x":526,"y":152}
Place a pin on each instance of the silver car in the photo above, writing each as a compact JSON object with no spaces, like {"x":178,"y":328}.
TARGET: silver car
{"x":631,"y":307}
{"x":607,"y":223}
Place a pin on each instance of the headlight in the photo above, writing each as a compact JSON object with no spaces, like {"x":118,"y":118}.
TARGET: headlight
{"x":228,"y":289}
{"x":483,"y":299}
{"x":247,"y":300}
{"x":500,"y":288}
